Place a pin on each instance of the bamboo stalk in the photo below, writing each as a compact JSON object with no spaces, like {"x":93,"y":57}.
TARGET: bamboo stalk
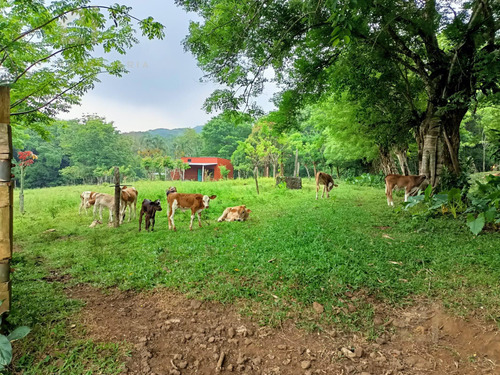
{"x":6,"y":199}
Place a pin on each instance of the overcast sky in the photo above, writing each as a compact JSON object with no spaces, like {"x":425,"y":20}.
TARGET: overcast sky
{"x":162,"y":88}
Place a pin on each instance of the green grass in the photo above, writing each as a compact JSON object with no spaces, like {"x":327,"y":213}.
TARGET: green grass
{"x":293,"y":251}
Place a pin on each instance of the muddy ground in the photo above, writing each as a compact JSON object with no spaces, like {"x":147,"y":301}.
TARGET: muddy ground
{"x":170,"y":334}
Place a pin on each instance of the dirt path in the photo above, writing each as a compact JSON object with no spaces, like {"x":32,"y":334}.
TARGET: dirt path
{"x":171,"y":335}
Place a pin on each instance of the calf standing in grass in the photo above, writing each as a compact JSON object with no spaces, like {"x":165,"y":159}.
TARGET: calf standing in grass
{"x":325,"y":179}
{"x":194,"y":202}
{"x":238,"y":213}
{"x":101,"y":200}
{"x":407,"y":182}
{"x":128,"y":199}
{"x":149,"y":208}
{"x":85,"y":197}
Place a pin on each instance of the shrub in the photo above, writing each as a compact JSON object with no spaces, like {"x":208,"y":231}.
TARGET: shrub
{"x":367,"y":179}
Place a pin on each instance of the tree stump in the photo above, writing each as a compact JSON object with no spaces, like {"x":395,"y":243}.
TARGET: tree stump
{"x":291,"y":182}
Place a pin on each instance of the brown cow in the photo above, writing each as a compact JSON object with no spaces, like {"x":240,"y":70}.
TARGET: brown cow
{"x":237,"y":213}
{"x":194,"y":202}
{"x":325,"y":179}
{"x":128,"y":199}
{"x":407,"y":182}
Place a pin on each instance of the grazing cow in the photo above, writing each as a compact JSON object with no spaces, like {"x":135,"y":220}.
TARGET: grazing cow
{"x":128,"y":199}
{"x":85,"y":197}
{"x":238,"y":213}
{"x":407,"y":182}
{"x":325,"y":179}
{"x":194,"y":202}
{"x":149,"y":208}
{"x":101,"y":200}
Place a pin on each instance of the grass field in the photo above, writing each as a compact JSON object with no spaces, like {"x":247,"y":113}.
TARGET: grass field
{"x":292,"y":252}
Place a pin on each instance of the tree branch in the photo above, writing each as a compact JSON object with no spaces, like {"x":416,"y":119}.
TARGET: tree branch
{"x":45,"y":58}
{"x":55,"y":97}
{"x":22,"y":35}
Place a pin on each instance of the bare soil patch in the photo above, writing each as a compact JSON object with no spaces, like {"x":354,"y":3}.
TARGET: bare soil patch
{"x":170,"y":334}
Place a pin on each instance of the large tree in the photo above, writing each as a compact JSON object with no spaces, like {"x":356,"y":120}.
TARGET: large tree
{"x":451,"y":47}
{"x":49,"y":51}
{"x":221,"y":134}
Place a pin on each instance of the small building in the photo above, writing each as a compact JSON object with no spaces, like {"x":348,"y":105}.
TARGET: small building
{"x":203,"y":168}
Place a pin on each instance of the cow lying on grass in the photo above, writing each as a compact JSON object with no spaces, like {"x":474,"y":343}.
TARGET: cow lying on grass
{"x":325,"y":179}
{"x":194,"y":202}
{"x":237,"y":213}
{"x":407,"y":182}
{"x":128,"y":199}
{"x":149,"y":208}
{"x":85,"y":197}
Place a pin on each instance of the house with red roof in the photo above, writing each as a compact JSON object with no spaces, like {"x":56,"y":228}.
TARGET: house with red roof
{"x":204,"y":168}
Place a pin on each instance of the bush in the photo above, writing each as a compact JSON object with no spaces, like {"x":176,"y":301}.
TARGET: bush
{"x":481,"y":206}
{"x":367,"y":179}
{"x":484,"y":205}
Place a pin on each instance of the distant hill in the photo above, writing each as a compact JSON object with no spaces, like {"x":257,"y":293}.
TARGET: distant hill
{"x":165,"y":133}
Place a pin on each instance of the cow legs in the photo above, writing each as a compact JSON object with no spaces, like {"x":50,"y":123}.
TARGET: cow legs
{"x":388,"y":193}
{"x":199,"y":218}
{"x":226,"y":211}
{"x":317,"y":189}
{"x":407,"y":193}
{"x":171,"y":224}
{"x":140,"y":219}
{"x":323,"y":192}
{"x":153,"y":224}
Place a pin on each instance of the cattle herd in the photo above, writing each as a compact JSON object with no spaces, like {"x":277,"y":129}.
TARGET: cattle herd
{"x":199,"y":202}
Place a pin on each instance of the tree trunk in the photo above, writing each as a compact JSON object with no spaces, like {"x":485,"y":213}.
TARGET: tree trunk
{"x":387,"y":162}
{"x":403,"y":161}
{"x":118,"y":191}
{"x":21,"y":192}
{"x":307,"y":170}
{"x":439,"y":141}
{"x":314,"y":168}
{"x":274,"y":170}
{"x":338,"y":172}
{"x":255,"y":175}
{"x":296,"y":169}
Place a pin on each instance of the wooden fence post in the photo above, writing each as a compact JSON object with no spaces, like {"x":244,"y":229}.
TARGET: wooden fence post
{"x":6,"y":199}
{"x":116,"y":223}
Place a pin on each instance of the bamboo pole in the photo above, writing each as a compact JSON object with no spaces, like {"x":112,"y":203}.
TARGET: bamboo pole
{"x":116,"y":222}
{"x":6,"y":199}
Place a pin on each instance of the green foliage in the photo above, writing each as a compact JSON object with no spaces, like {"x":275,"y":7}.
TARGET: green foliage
{"x":5,"y":343}
{"x":484,"y":206}
{"x":367,"y":179}
{"x":49,"y":54}
{"x":221,"y":134}
{"x":224,"y":172}
{"x":481,"y":206}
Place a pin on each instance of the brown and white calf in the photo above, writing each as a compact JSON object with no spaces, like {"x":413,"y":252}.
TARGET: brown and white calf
{"x":194,"y":202}
{"x":407,"y":182}
{"x":100,"y":201}
{"x":325,"y":179}
{"x":128,"y":199}
{"x":149,"y":208}
{"x":85,"y":197}
{"x":237,"y":213}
